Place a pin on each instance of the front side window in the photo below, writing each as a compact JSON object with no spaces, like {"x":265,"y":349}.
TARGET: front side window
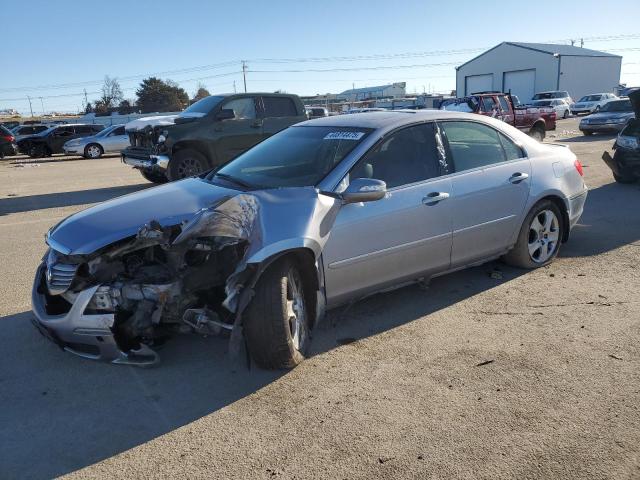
{"x":294,"y":157}
{"x":244,"y":108}
{"x":504,"y":104}
{"x":474,"y":145}
{"x":280,"y":107}
{"x":488,"y":104}
{"x":407,"y":156}
{"x":118,"y":131}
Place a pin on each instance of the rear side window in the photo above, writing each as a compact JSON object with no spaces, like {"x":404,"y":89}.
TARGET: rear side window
{"x":96,"y":128}
{"x":279,"y":107}
{"x":473,"y":145}
{"x":504,"y":104}
{"x":82,"y":129}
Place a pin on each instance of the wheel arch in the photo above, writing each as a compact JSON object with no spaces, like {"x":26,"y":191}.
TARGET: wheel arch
{"x":197,"y":145}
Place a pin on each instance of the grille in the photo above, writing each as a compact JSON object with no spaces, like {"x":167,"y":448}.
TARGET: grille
{"x":59,"y":275}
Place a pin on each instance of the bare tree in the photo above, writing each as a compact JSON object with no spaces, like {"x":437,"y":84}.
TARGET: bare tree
{"x":111,"y":93}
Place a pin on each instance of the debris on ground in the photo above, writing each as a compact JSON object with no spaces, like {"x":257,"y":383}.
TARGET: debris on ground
{"x":382,"y":460}
{"x":615,"y":357}
{"x":486,"y":362}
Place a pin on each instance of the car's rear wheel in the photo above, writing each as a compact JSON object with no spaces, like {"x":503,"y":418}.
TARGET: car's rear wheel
{"x":539,"y":237}
{"x":37,"y":151}
{"x":93,"y":150}
{"x":587,"y":132}
{"x":154,"y":177}
{"x":537,"y":133}
{"x":186,"y":163}
{"x":566,"y":114}
{"x":277,"y":320}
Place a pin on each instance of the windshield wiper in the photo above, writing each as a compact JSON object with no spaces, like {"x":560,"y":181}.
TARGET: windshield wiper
{"x":235,"y":180}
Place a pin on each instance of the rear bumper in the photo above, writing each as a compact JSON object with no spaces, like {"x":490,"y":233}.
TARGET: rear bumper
{"x":576,"y":207}
{"x":85,"y":335}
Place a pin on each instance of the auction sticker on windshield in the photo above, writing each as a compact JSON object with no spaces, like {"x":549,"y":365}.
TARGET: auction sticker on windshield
{"x":344,"y":136}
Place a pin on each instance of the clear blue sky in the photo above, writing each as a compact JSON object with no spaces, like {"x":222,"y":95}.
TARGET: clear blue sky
{"x":53,"y":44}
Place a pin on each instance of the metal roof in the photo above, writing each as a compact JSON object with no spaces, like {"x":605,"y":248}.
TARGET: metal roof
{"x":550,"y":49}
{"x":366,"y":89}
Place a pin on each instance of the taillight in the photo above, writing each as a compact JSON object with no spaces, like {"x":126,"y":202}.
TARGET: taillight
{"x":8,"y":138}
{"x":578,"y":166}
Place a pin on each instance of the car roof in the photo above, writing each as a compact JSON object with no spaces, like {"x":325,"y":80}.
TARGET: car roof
{"x":382,"y":120}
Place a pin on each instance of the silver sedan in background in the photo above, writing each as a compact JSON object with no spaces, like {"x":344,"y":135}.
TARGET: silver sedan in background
{"x":323,"y":213}
{"x":110,"y":140}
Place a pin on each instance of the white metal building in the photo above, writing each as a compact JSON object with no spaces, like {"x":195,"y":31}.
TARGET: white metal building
{"x":392,"y":90}
{"x":527,"y":68}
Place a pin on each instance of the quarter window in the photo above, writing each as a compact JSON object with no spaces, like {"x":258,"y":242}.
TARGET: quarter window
{"x":407,"y":156}
{"x":473,"y":145}
{"x":279,"y":107}
{"x":244,"y":108}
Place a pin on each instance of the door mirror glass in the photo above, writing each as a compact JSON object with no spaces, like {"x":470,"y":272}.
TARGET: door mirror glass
{"x":226,"y":114}
{"x":364,"y":190}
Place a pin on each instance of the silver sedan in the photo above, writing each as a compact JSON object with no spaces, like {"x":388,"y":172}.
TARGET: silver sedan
{"x":111,"y":139}
{"x":323,"y":213}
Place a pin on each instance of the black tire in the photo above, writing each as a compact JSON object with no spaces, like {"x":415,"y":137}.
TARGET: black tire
{"x":90,"y":149}
{"x":624,"y":178}
{"x":267,"y":325}
{"x":154,"y":177}
{"x":519,"y":255}
{"x":565,"y":115}
{"x":186,"y":163}
{"x":37,"y":151}
{"x":587,"y":132}
{"x":537,"y":133}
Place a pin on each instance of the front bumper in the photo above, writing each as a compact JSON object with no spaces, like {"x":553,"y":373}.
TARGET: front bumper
{"x":146,"y":161}
{"x":624,"y":161}
{"x":86,"y":335}
{"x":601,"y":127}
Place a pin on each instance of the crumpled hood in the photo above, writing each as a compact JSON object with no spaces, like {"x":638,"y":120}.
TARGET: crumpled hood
{"x":98,"y":226}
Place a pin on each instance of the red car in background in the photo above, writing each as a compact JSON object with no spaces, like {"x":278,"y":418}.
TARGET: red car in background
{"x":535,"y":121}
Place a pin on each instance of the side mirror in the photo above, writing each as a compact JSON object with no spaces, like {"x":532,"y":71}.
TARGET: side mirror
{"x":364,"y":190}
{"x":226,"y":114}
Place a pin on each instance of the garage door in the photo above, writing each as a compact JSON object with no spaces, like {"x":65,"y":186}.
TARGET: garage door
{"x":521,"y":83}
{"x":478,"y":83}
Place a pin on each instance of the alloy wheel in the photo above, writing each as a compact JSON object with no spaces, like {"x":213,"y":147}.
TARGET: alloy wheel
{"x":296,"y":311}
{"x":188,"y":167}
{"x":544,"y":235}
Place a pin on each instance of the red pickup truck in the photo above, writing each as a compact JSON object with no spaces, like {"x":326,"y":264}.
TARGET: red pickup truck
{"x":532,"y":120}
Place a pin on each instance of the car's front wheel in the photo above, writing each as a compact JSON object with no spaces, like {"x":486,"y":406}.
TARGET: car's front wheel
{"x":537,"y":133}
{"x":186,"y":163}
{"x":539,"y":237}
{"x":276,"y":322}
{"x":93,"y":150}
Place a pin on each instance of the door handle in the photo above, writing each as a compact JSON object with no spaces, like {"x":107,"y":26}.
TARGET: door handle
{"x":518,"y":177}
{"x":435,"y":197}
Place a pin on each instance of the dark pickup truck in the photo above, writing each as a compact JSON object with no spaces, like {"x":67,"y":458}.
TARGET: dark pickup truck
{"x":209,"y":133}
{"x":532,"y":120}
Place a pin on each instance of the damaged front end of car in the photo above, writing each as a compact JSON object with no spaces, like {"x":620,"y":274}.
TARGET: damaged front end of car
{"x":121,"y":301}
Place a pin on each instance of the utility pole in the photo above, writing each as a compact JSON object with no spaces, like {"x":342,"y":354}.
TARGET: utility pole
{"x":30,"y":107}
{"x":244,"y":74}
{"x":581,"y":42}
{"x":234,"y":86}
{"x":86,"y":102}
{"x":42,"y":104}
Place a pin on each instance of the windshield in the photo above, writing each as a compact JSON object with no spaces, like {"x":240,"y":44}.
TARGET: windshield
{"x":106,"y":131}
{"x":591,"y":98}
{"x":541,"y":103}
{"x":295,"y":157}
{"x":617,"y":106}
{"x":467,"y":104}
{"x":202,"y":107}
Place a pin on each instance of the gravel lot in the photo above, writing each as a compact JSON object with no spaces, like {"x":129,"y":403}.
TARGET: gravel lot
{"x":395,"y":387}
